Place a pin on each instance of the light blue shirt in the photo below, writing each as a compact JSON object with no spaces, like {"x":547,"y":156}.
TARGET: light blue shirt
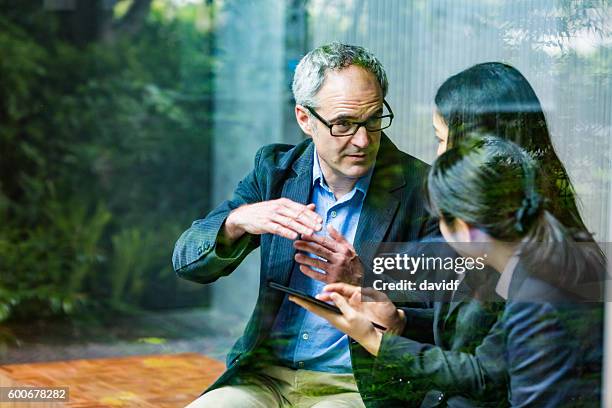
{"x":300,"y":339}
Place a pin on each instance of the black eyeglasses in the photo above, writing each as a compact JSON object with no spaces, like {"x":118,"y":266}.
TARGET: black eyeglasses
{"x":349,"y":128}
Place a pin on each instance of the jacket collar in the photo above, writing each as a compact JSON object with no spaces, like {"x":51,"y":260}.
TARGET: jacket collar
{"x":381,"y":203}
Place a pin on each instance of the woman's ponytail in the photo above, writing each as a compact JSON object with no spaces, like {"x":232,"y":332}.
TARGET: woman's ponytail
{"x":566,"y":259}
{"x":493,"y":184}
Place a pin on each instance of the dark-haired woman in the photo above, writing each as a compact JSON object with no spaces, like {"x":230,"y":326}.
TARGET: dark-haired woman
{"x":545,"y":348}
{"x":495,"y":98}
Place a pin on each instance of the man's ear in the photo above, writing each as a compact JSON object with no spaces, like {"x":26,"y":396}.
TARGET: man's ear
{"x":303,"y":119}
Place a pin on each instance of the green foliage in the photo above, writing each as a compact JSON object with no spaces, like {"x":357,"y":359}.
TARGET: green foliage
{"x":103,"y":159}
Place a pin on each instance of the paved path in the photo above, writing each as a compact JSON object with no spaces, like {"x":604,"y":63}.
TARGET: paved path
{"x":157,"y":381}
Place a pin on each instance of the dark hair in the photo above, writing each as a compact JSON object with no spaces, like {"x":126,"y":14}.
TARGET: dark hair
{"x":496,"y":186}
{"x":495,"y":98}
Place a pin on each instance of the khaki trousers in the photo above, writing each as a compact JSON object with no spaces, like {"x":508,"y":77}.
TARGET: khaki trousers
{"x":277,"y":386}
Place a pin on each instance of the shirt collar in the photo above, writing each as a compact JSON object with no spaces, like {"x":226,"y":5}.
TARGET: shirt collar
{"x":503,"y":284}
{"x":317,"y":176}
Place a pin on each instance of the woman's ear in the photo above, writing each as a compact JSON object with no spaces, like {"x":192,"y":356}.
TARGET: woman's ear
{"x":460,"y":231}
{"x":463,"y":231}
{"x":469,"y":233}
{"x":466,"y":239}
{"x":455,"y":231}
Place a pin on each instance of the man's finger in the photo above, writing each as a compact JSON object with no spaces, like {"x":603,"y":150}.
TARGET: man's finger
{"x":301,"y":211}
{"x":309,"y":212}
{"x":311,"y":273}
{"x":314,"y":262}
{"x":300,"y":218}
{"x":291,"y":224}
{"x":323,"y":241}
{"x":313,"y":248}
{"x":284,"y":232}
{"x":336,"y":235}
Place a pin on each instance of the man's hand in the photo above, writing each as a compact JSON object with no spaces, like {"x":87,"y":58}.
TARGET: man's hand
{"x":340,"y":261}
{"x":375,"y":305}
{"x":281,"y":217}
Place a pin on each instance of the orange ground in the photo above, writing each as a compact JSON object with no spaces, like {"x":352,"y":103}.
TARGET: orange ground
{"x":158,"y":381}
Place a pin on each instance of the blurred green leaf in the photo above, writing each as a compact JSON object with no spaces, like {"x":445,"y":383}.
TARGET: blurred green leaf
{"x":152,"y":340}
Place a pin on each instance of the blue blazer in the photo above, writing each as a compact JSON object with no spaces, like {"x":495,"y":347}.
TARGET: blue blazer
{"x":393,"y":211}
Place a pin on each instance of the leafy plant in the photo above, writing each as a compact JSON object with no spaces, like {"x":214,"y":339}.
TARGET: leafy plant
{"x":95,"y":129}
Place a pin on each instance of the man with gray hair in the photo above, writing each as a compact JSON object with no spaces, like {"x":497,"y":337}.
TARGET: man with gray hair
{"x":317,"y":210}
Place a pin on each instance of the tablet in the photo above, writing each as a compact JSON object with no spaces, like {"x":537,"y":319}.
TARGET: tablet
{"x":304,"y":296}
{"x":311,"y":299}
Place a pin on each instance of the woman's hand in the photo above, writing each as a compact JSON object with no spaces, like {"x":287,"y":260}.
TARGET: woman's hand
{"x":352,"y":322}
{"x":375,"y":305}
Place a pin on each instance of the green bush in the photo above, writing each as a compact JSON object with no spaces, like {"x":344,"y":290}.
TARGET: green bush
{"x":95,"y":183}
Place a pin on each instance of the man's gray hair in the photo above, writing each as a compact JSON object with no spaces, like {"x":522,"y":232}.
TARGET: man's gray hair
{"x":310,"y":72}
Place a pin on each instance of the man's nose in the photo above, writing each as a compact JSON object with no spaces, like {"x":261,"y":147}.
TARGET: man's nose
{"x":361,"y":139}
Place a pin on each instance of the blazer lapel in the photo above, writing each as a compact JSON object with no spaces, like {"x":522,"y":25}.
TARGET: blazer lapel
{"x":475,"y":285}
{"x":459,"y":296}
{"x":298,"y":189}
{"x":519,"y":275}
{"x":380,"y":204}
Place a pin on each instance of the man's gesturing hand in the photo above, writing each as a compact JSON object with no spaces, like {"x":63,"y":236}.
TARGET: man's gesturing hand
{"x":340,"y":261}
{"x":281,"y":217}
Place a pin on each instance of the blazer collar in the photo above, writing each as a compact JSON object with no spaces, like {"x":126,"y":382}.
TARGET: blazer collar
{"x":381,"y":203}
{"x":519,"y":276}
{"x":303,"y":164}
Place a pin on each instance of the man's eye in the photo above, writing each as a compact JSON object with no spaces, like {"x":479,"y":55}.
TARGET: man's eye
{"x":343,"y":125}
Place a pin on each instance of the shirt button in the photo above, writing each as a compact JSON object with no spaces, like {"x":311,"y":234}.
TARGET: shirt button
{"x":305,"y":336}
{"x":333,"y":214}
